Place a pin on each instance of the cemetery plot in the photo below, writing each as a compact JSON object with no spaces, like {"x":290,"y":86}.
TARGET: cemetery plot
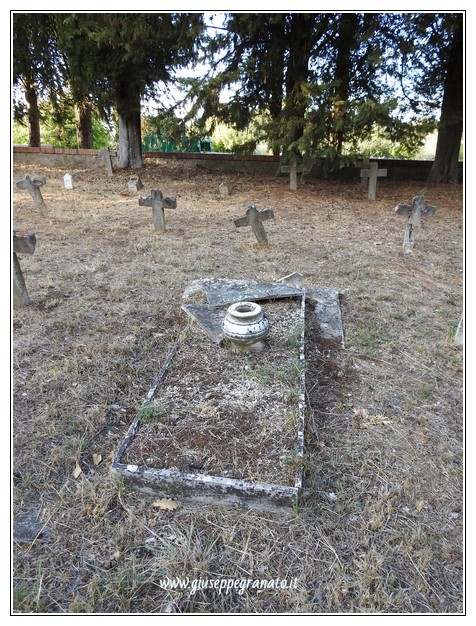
{"x":222,"y":426}
{"x":380,"y":523}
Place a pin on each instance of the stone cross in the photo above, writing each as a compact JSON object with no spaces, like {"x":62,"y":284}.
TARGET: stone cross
{"x":68,"y":181}
{"x":106,"y":157}
{"x":293,"y":170}
{"x":158,"y":204}
{"x":372,"y":173}
{"x":32,"y":185}
{"x":414,"y":211}
{"x":254,"y":218}
{"x":23,"y":243}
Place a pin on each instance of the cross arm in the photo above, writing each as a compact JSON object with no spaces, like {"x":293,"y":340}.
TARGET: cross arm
{"x":403,"y":209}
{"x":36,"y":182}
{"x":170,"y":202}
{"x":145,"y":201}
{"x":428,"y":209}
{"x":241,"y":221}
{"x":266,"y":214}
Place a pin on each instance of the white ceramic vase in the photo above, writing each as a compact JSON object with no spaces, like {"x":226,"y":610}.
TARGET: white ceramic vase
{"x":245,"y":326}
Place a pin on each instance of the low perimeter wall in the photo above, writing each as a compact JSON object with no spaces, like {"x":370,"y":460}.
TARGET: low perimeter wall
{"x":90,"y":159}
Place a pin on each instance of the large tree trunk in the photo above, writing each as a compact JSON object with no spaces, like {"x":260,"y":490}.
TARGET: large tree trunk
{"x":33,"y":115}
{"x":129,"y":154}
{"x":450,"y":128}
{"x":84,"y":126}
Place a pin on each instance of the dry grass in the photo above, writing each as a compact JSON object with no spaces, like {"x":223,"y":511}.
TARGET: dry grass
{"x":380,"y":525}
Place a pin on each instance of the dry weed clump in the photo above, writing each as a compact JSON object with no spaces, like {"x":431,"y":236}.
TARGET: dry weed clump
{"x":379,"y":528}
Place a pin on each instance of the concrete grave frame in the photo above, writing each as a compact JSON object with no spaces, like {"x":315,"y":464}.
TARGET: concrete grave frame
{"x":194,"y":488}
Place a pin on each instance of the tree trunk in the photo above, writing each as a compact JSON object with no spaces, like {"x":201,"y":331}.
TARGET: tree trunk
{"x":84,"y":127}
{"x":33,"y":115}
{"x":450,"y":128}
{"x":129,"y":154}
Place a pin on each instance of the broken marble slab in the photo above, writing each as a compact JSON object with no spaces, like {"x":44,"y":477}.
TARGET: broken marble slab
{"x":325,"y":302}
{"x":220,"y":292}
{"x":208,"y":318}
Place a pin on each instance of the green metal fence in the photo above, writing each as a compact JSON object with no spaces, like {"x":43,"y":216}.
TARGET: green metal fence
{"x":158,"y":143}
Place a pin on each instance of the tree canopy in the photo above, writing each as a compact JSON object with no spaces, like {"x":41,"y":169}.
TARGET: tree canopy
{"x":306,"y":83}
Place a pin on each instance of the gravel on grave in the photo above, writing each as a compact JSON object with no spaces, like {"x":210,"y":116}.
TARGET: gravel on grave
{"x":223,"y":413}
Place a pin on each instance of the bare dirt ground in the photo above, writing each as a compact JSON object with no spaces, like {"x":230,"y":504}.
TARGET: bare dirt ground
{"x":380,"y":526}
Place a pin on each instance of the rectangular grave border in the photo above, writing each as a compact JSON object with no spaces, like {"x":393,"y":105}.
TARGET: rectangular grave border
{"x":203,"y":489}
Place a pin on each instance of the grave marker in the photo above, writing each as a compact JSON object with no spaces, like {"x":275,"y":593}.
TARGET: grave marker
{"x":32,"y":185}
{"x":414,"y":211}
{"x":293,"y":170}
{"x":371,"y":174}
{"x":106,"y":157}
{"x":158,"y":204}
{"x":135,"y":184}
{"x":254,"y":218}
{"x":23,"y":243}
{"x":223,"y":189}
{"x":68,"y":181}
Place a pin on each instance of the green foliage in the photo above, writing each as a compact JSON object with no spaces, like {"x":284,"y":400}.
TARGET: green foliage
{"x":226,"y":139}
{"x":62,"y":133}
{"x":327,"y":84}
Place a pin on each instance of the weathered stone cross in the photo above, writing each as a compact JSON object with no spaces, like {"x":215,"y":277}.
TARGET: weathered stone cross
{"x":372,"y":173}
{"x":414,"y":212}
{"x":32,"y":185}
{"x":293,"y":170}
{"x":254,"y":218}
{"x":23,"y":243}
{"x":106,"y":156}
{"x":158,"y":204}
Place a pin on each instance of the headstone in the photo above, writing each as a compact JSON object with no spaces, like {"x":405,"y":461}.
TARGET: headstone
{"x":32,"y":185}
{"x":293,"y":170}
{"x":23,"y":243}
{"x":223,"y":188}
{"x":158,"y":204}
{"x":414,"y":211}
{"x":372,"y":173}
{"x":106,"y":157}
{"x":135,"y":184}
{"x":254,"y":218}
{"x":68,"y":181}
